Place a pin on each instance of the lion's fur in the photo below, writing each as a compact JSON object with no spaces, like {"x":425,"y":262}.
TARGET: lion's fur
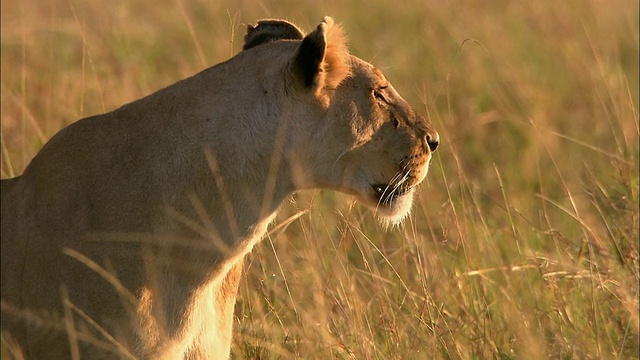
{"x":126,"y":234}
{"x":335,"y":66}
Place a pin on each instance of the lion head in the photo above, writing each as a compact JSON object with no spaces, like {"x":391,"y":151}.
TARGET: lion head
{"x":365,"y":139}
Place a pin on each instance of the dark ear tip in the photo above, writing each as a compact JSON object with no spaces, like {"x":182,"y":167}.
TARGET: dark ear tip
{"x":328,"y":21}
{"x":270,"y":30}
{"x":324,"y":26}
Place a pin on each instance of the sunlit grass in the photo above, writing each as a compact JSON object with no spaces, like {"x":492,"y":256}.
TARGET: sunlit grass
{"x":524,"y":240}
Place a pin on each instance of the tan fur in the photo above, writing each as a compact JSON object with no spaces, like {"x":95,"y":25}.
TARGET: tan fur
{"x":126,"y":234}
{"x":335,"y":66}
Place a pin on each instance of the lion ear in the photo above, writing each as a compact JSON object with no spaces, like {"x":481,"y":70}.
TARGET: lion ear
{"x":270,"y":30}
{"x":322,"y":59}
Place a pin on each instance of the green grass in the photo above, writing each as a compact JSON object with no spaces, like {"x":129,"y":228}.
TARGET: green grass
{"x":524,"y":241}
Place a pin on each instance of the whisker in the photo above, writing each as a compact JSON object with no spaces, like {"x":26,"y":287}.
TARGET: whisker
{"x":394,"y":188}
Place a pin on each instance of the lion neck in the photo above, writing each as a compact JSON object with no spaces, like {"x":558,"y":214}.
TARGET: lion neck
{"x":231,"y":175}
{"x":233,"y":200}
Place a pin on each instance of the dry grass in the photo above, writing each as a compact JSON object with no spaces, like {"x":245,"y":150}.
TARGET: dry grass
{"x":524,"y":242}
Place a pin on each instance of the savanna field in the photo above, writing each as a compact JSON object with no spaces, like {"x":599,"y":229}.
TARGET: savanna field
{"x":523,"y":243}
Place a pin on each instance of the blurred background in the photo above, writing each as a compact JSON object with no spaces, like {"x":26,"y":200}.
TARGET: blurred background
{"x":524,"y":241}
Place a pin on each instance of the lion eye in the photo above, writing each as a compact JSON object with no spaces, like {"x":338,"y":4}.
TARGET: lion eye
{"x":377,"y":93}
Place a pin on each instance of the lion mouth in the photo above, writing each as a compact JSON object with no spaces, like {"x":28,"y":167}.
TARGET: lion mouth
{"x":387,"y":194}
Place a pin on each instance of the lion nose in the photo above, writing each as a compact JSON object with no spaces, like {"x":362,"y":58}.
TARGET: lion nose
{"x":432,"y":139}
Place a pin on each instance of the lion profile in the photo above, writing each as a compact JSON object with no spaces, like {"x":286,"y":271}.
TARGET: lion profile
{"x":126,"y":233}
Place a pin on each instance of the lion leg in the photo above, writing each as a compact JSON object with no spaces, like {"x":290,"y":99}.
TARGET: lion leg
{"x":214,"y":339}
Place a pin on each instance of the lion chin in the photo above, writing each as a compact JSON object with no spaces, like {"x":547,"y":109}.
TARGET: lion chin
{"x":390,"y":209}
{"x":396,"y":211}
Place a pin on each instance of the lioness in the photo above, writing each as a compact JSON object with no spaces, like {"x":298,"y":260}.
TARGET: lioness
{"x":126,"y":234}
